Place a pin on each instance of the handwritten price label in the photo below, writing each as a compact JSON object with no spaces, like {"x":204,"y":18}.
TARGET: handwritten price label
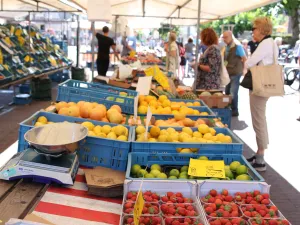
{"x":206,"y":168}
{"x":138,"y":208}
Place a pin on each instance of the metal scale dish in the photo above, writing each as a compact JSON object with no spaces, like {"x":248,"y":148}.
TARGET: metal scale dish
{"x":51,"y":157}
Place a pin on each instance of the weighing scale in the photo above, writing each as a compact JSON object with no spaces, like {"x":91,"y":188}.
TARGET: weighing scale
{"x":44,"y":162}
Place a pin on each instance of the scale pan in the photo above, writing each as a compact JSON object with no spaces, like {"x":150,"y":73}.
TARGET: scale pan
{"x":56,"y":138}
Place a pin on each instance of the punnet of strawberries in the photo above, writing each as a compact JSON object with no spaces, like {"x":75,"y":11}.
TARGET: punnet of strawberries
{"x":263,"y":221}
{"x":182,"y":221}
{"x":147,"y":195}
{"x":258,"y":210}
{"x":214,"y":196}
{"x":222,"y":210}
{"x":254,"y":197}
{"x":179,"y":209}
{"x":149,"y":208}
{"x":178,"y":197}
{"x":144,"y":220}
{"x":227,"y":221}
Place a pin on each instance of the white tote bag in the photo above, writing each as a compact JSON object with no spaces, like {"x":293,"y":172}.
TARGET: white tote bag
{"x":224,"y":76}
{"x":268,"y":80}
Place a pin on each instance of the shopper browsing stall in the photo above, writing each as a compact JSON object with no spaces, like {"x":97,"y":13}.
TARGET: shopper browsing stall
{"x":263,"y":55}
{"x":126,"y":48}
{"x":234,"y":59}
{"x":209,"y":68}
{"x":173,"y":58}
{"x":104,"y":45}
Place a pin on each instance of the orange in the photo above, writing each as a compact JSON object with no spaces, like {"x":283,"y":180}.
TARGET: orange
{"x":64,"y":111}
{"x":74,"y":111}
{"x":97,"y":113}
{"x":117,"y":108}
{"x":60,"y":105}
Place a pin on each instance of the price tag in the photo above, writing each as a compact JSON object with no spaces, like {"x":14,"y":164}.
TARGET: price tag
{"x":225,"y":99}
{"x":138,"y":208}
{"x":148,"y":118}
{"x":144,"y":85}
{"x":206,"y":168}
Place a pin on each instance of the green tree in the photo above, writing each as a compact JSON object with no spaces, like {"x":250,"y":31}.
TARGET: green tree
{"x":165,"y":29}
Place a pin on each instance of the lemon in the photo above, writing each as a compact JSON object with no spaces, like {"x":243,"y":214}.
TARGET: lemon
{"x":212,"y":131}
{"x":163,"y":132}
{"x":155,"y":131}
{"x":171,"y":130}
{"x":42,"y":119}
{"x":172,"y":137}
{"x":88,"y":125}
{"x":162,"y":98}
{"x":182,"y":136}
{"x":197,"y":134}
{"x":186,"y":150}
{"x":97,"y":129}
{"x":178,"y":150}
{"x":203,"y":129}
{"x":204,"y":114}
{"x":122,"y":138}
{"x":197,"y":104}
{"x":126,"y":131}
{"x":152,"y":140}
{"x":162,"y":138}
{"x":111,"y":135}
{"x":119,"y":130}
{"x":196,"y":112}
{"x":207,"y":136}
{"x":91,"y":133}
{"x":106,"y":129}
{"x":38,"y":124}
{"x":220,"y":136}
{"x":187,"y":130}
{"x":103,"y":135}
{"x":166,"y":103}
{"x":140,"y":129}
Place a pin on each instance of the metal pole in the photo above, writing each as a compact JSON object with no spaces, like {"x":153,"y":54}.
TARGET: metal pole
{"x":37,"y":6}
{"x":198,"y":35}
{"x":1,"y":5}
{"x":116,"y":23}
{"x":77,"y":42}
{"x":93,"y":47}
{"x":29,"y":30}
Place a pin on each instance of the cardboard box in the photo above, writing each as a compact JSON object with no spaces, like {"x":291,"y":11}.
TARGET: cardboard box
{"x":217,"y":101}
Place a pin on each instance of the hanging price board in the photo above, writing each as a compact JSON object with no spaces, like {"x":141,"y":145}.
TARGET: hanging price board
{"x":138,"y":208}
{"x":206,"y":168}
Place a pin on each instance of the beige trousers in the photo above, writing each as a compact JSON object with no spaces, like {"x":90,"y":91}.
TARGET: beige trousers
{"x":259,"y":121}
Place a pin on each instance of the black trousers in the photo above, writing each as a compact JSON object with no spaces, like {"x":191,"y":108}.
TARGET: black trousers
{"x":102,"y":66}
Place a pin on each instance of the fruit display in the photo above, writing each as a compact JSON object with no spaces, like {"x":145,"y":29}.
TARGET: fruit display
{"x":91,"y":110}
{"x":163,"y":105}
{"x":161,"y":91}
{"x":188,"y":95}
{"x":262,"y":221}
{"x":117,"y":132}
{"x":227,"y":221}
{"x":178,"y":121}
{"x":145,"y":59}
{"x":22,"y":59}
{"x":172,"y":207}
{"x":222,"y":209}
{"x":144,"y":220}
{"x":202,"y":134}
{"x":234,"y":171}
{"x":257,"y":210}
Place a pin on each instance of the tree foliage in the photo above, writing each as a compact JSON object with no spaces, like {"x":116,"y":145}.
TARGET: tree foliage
{"x":165,"y":29}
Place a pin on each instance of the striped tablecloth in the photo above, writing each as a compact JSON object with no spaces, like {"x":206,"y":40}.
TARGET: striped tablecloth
{"x":73,"y":206}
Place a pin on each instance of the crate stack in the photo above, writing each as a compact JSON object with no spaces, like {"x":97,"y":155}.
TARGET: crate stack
{"x":41,"y":88}
{"x":169,"y":199}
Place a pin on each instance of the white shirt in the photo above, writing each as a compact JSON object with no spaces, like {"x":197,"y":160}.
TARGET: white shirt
{"x":264,"y":54}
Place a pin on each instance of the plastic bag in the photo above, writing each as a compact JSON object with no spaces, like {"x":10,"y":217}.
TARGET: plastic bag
{"x":125,"y":71}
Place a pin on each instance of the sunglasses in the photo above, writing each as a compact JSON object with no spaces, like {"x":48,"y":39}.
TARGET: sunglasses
{"x":253,"y":28}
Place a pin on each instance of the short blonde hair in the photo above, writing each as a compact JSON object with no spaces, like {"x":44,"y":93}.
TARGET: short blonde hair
{"x":264,"y":24}
{"x":172,"y":37}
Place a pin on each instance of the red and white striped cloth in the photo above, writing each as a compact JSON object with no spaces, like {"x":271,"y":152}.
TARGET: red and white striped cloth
{"x":73,"y":205}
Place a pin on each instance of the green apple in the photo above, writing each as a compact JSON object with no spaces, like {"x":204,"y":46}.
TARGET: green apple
{"x":155,"y":172}
{"x":174,"y":172}
{"x":135,"y":169}
{"x":142,"y":173}
{"x":149,"y":175}
{"x":162,"y":176}
{"x":184,"y":168}
{"x":172,"y":178}
{"x":156,"y":167}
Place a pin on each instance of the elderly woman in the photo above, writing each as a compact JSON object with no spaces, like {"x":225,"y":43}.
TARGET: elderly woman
{"x":173,"y":58}
{"x":263,"y":55}
{"x":210,"y":62}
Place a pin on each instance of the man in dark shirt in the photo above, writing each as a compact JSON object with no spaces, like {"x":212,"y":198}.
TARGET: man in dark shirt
{"x":104,"y":44}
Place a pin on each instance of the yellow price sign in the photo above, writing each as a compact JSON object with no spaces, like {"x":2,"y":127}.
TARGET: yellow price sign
{"x":207,"y":168}
{"x":1,"y":57}
{"x":138,"y":208}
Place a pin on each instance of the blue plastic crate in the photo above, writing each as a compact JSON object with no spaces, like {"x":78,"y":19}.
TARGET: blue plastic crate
{"x":22,"y":101}
{"x":224,"y":114}
{"x":165,"y":159}
{"x":24,"y":89}
{"x":95,"y":151}
{"x":98,"y":87}
{"x":236,"y":147}
{"x":202,"y":103}
{"x":85,"y":93}
{"x":211,"y":114}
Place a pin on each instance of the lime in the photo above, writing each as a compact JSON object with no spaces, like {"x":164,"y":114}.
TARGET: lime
{"x":156,"y":167}
{"x":184,"y":169}
{"x":142,"y":173}
{"x":149,"y":175}
{"x":243,"y":177}
{"x":229,"y":174}
{"x":162,"y":176}
{"x":241,"y":170}
{"x":203,"y":158}
{"x":155,"y":172}
{"x":174,"y":172}
{"x":234,"y":165}
{"x":135,"y":169}
{"x":172,"y":178}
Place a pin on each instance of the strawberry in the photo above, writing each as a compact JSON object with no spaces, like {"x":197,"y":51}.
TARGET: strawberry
{"x":256,"y":192}
{"x":266,"y":196}
{"x":228,"y":198}
{"x":213,"y":193}
{"x":225,"y":192}
{"x":265,"y":201}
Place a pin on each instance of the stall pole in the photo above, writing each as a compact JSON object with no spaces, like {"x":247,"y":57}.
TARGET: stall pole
{"x":93,"y":49}
{"x":198,"y":36}
{"x":78,"y":42}
{"x":116,"y":23}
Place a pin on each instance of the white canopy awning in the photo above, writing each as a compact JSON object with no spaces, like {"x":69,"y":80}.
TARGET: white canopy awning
{"x":147,"y":13}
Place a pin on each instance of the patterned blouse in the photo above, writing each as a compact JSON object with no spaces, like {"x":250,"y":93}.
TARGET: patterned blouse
{"x":210,"y":80}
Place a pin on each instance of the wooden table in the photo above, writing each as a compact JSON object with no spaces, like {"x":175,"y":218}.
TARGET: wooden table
{"x":18,"y":198}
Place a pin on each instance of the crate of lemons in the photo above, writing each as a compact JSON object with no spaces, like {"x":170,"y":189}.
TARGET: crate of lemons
{"x":163,"y":105}
{"x":118,"y":132}
{"x":203,"y":134}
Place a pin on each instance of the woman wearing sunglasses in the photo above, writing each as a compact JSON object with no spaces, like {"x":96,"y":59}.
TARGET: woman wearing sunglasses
{"x":263,"y":55}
